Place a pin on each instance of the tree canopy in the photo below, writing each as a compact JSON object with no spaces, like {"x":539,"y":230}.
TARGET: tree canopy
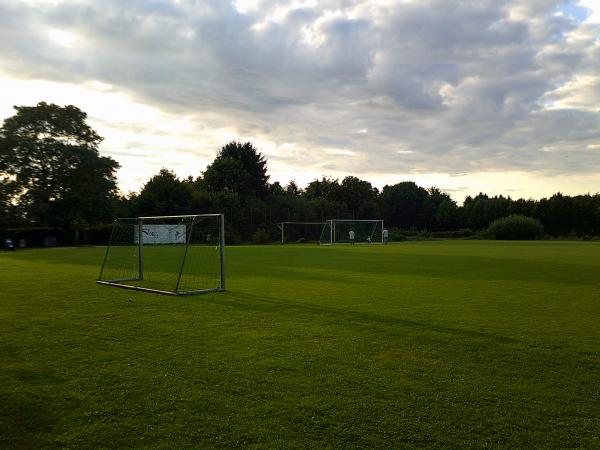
{"x":51,"y":168}
{"x":163,"y":194}
{"x":51,"y":174}
{"x":238,"y":168}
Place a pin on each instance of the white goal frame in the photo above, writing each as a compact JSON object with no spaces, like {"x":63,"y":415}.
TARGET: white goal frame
{"x":332,"y":229}
{"x":138,"y":241}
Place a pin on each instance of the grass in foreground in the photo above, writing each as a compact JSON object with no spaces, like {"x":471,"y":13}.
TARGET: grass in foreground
{"x":438,"y":344}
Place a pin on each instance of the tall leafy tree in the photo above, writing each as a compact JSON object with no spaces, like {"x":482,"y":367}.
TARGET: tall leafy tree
{"x":238,"y":168}
{"x":8,"y":209}
{"x":443,"y":213}
{"x":51,"y":167}
{"x":164,"y":194}
{"x":557,"y":213}
{"x":404,"y":205}
{"x":358,"y":195}
{"x":292,"y":189}
{"x":481,"y":210}
{"x":326,"y":188}
{"x":275,"y":189}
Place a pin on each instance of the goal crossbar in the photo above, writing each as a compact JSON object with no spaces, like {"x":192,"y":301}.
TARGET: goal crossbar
{"x":301,"y":223}
{"x":177,"y":217}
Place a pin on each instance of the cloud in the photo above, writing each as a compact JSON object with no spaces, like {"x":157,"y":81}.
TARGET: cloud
{"x":392,"y":87}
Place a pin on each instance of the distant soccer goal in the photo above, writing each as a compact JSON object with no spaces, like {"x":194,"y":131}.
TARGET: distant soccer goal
{"x":300,"y":232}
{"x":338,"y":231}
{"x":176,"y":255}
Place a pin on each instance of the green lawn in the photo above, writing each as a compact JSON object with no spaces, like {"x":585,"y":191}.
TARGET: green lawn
{"x":429,"y":344}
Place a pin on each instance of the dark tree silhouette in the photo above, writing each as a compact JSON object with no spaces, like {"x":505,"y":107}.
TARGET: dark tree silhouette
{"x":164,"y":194}
{"x":50,"y":167}
{"x":404,"y":205}
{"x":238,"y":168}
{"x":52,"y":175}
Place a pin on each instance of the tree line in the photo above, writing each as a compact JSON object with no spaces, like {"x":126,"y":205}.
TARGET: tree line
{"x":52,"y":176}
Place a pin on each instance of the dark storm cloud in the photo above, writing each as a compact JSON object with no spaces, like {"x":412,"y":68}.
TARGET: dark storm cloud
{"x":401,"y":86}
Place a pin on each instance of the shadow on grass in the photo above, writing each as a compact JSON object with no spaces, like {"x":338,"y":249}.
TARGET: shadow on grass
{"x":448,"y":267}
{"x":23,"y":421}
{"x":278,"y":262}
{"x":86,"y":256}
{"x":341,"y":317}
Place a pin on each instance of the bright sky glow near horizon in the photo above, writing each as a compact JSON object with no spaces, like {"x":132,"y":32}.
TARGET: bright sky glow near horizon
{"x":494,"y":96}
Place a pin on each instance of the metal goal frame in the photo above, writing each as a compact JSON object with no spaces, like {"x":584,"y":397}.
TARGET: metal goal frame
{"x":121,"y":282}
{"x":332,"y":229}
{"x":281,"y":226}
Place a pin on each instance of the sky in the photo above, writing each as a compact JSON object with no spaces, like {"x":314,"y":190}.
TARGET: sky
{"x":494,"y":96}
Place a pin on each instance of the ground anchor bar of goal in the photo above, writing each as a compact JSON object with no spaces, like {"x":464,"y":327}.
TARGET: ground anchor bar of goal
{"x":200,"y":291}
{"x":119,"y":280}
{"x":159,"y":291}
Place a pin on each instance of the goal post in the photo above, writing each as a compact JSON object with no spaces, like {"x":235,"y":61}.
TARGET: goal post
{"x":300,"y":232}
{"x":176,"y":255}
{"x":339,"y":231}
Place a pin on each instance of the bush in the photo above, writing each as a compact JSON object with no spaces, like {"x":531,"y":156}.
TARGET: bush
{"x":454,"y":234}
{"x":412,"y":234}
{"x":261,"y":236}
{"x":395,"y":234}
{"x":232,"y":236}
{"x":515,"y":227}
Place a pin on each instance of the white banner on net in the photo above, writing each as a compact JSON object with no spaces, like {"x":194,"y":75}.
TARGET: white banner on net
{"x":161,"y":234}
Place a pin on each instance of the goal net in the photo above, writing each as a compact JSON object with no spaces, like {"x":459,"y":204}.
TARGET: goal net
{"x":337,"y":231}
{"x":178,"y":255}
{"x":300,"y":232}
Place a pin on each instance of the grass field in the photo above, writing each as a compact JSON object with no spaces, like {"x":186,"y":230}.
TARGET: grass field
{"x":428,"y":344}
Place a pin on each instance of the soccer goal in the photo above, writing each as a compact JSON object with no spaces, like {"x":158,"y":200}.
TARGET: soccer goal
{"x":176,"y":255}
{"x":338,"y":231}
{"x":300,"y":232}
